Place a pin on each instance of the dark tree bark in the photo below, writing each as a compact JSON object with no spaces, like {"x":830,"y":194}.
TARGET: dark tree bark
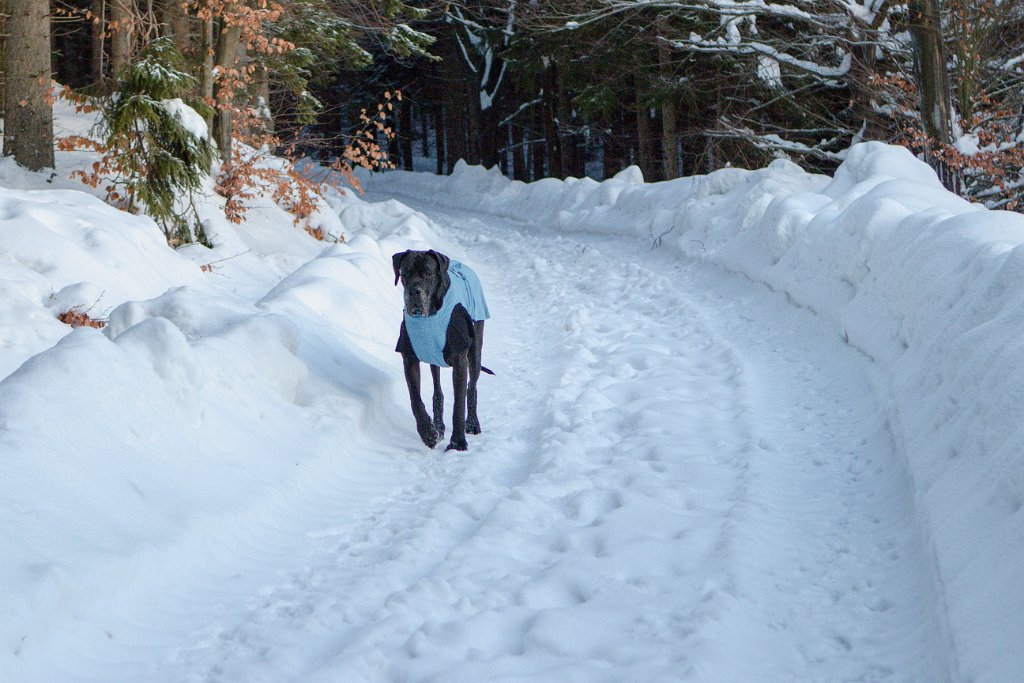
{"x":613,"y":148}
{"x":471,"y":104}
{"x":424,"y":116}
{"x":453,"y":88}
{"x":503,"y":154}
{"x":538,"y":151}
{"x":28,"y":111}
{"x":669,"y":116}
{"x":518,"y":140}
{"x":489,"y":136}
{"x":407,"y":131}
{"x":455,"y":128}
{"x":439,"y":138}
{"x":933,"y":84}
{"x":645,"y":139}
{"x":669,"y":139}
{"x":552,"y":135}
{"x":930,"y":69}
{"x":567,"y":139}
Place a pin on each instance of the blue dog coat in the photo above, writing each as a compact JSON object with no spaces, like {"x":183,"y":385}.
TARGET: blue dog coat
{"x":428,"y":333}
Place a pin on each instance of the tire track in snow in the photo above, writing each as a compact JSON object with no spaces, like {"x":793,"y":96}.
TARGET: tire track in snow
{"x":829,"y":531}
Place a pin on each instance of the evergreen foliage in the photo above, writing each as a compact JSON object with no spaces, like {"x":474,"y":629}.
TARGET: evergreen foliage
{"x":152,"y":155}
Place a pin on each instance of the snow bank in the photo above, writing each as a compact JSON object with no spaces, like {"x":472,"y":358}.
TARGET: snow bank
{"x":202,"y":400}
{"x":62,"y":249}
{"x":928,"y":285}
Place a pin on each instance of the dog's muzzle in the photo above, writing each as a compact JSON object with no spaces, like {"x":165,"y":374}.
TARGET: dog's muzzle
{"x":417,"y":304}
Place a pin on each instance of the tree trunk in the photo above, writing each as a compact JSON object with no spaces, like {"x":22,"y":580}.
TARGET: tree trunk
{"x":424,"y":116}
{"x":568,"y":139}
{"x":407,"y":129}
{"x":518,"y":135}
{"x":98,"y":40}
{"x":669,"y":117}
{"x":552,"y":135}
{"x":538,"y":151}
{"x":669,"y":139}
{"x":227,"y":55}
{"x":206,"y":53}
{"x":3,"y":53}
{"x":711,"y":162}
{"x":453,"y":86}
{"x":439,"y":136}
{"x":930,"y":69}
{"x":393,"y":142}
{"x":613,"y":149}
{"x":28,"y":111}
{"x":177,"y":20}
{"x":489,"y":136}
{"x":263,"y":90}
{"x":455,"y":128}
{"x":122,"y":32}
{"x":645,"y":139}
{"x":471,"y":107}
{"x":933,"y":83}
{"x":691,"y":137}
{"x":503,"y":160}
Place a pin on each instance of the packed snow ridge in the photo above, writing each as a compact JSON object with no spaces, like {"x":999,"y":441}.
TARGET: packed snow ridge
{"x":759,"y":425}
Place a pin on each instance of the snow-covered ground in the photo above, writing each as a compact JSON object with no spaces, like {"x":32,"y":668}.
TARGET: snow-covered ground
{"x":757,"y":426}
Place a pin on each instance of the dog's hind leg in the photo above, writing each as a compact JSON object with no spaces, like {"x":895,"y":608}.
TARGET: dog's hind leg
{"x":475,"y":352}
{"x":435,"y":375}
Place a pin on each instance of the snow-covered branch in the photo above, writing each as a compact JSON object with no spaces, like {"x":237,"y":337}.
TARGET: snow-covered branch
{"x":696,"y":43}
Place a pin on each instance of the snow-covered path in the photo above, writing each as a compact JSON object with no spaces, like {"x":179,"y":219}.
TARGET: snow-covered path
{"x":681,"y":478}
{"x":717,"y":451}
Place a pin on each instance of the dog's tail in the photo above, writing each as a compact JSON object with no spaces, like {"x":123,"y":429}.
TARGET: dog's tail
{"x":487,"y":370}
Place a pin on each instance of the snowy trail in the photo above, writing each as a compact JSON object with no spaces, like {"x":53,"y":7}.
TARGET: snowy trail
{"x":672,"y":485}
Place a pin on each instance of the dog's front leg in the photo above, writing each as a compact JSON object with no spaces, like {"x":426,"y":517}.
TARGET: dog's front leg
{"x":459,"y":378}
{"x":475,"y":349}
{"x":435,"y":375}
{"x":424,"y":426}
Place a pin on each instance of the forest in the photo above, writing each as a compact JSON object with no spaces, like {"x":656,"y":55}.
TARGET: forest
{"x":548,"y":88}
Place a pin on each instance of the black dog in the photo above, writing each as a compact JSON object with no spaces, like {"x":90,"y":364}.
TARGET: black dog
{"x":443,"y":326}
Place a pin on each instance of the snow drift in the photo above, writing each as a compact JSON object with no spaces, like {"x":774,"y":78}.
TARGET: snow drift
{"x":199,"y":402}
{"x":928,"y":285}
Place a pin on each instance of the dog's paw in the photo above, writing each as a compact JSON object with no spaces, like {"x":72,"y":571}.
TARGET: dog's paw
{"x":457,"y":445}
{"x":472,"y":426}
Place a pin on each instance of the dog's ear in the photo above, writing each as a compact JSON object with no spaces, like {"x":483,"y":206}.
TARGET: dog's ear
{"x":396,"y":263}
{"x":442,"y":260}
{"x":443,"y":279}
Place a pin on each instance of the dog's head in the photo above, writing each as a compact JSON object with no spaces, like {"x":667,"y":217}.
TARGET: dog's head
{"x":424,"y":274}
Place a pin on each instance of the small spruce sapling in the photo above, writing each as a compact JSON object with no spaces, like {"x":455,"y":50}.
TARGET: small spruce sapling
{"x":152,"y":162}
